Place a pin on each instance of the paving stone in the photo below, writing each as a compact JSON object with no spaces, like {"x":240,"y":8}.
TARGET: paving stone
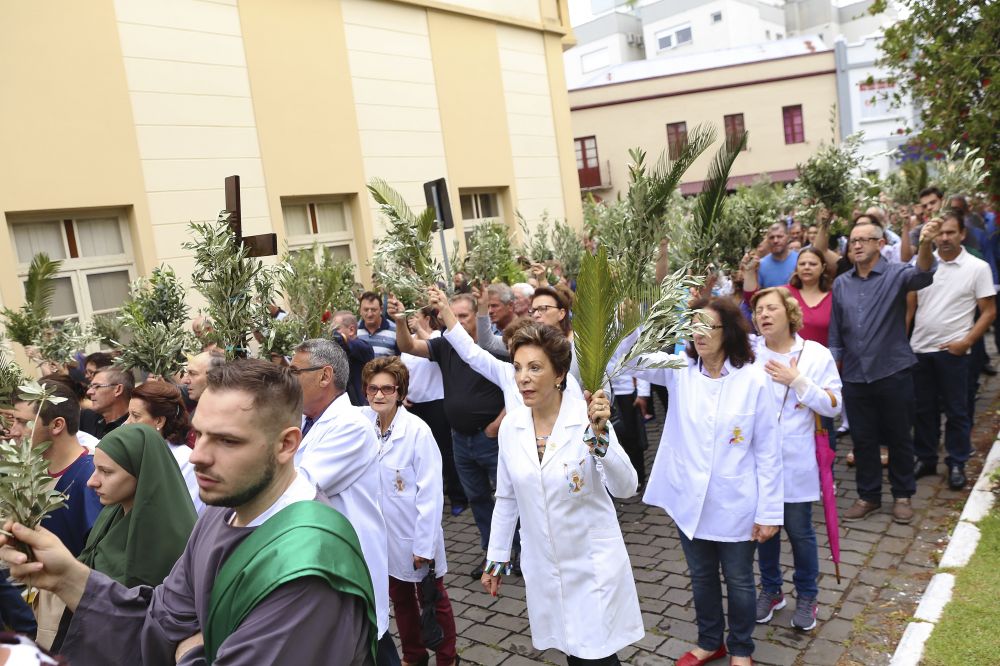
{"x":483,"y":655}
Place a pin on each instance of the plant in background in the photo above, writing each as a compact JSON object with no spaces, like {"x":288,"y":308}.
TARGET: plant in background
{"x":27,"y":492}
{"x":59,"y":344}
{"x":567,"y":248}
{"x":108,"y":330}
{"x":26,"y":324}
{"x":403,"y":259}
{"x":154,"y":315}
{"x":710,"y":239}
{"x":752,"y":209}
{"x":11,"y":378}
{"x":606,"y":311}
{"x":832,"y":177}
{"x":903,"y":185}
{"x":283,"y":337}
{"x":313,"y":288}
{"x":490,"y":255}
{"x":238,"y":288}
{"x":961,"y":171}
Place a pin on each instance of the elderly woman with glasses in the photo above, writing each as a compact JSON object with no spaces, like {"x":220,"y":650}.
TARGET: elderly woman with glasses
{"x":718,"y":473}
{"x":412,"y":499}
{"x":805,"y":384}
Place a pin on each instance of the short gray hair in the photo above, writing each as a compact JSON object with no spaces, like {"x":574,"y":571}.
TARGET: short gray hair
{"x":501,"y":291}
{"x":522,"y":289}
{"x":326,"y":352}
{"x":346,"y":318}
{"x":877,"y":230}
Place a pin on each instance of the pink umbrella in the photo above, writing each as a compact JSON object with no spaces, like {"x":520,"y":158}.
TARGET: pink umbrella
{"x":825,"y":457}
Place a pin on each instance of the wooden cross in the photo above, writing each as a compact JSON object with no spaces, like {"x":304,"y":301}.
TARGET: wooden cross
{"x":261,"y":245}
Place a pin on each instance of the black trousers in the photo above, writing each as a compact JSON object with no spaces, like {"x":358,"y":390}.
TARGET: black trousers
{"x":631,"y":431}
{"x":432,"y":413}
{"x":881,"y":413}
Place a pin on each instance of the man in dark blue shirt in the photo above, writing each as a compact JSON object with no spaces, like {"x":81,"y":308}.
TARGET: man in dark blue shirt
{"x":868,"y":339}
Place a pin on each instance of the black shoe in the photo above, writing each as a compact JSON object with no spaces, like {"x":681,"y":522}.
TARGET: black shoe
{"x":924,"y":468}
{"x":956,"y":477}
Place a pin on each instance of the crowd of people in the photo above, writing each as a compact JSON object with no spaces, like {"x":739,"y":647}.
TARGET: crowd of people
{"x":255,"y":512}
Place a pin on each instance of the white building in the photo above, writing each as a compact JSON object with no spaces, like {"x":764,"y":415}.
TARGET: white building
{"x":864,"y":98}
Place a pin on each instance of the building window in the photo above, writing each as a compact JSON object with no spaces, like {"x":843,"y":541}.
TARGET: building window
{"x":677,"y":138}
{"x":794,"y":130}
{"x":322,"y":222}
{"x":478,"y":206}
{"x":587,"y":165}
{"x":734,"y":127}
{"x":673,"y":37}
{"x":716,"y":17}
{"x":97,"y":262}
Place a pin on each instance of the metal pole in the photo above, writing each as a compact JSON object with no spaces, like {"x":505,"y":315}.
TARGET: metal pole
{"x":444,"y":248}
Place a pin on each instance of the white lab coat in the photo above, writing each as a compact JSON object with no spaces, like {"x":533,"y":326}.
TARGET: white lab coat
{"x":499,"y":372}
{"x":411,"y":495}
{"x":818,"y":371}
{"x":340,"y":455}
{"x":718,"y":468}
{"x":577,"y":576}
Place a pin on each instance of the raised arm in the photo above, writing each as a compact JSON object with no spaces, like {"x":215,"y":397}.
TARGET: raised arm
{"x":499,"y":372}
{"x":823,"y":242}
{"x":407,"y":343}
{"x":663,"y":260}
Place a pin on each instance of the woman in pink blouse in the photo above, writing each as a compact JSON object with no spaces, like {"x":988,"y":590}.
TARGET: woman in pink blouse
{"x":809,"y":285}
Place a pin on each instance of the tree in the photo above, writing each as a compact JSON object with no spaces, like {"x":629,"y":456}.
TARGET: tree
{"x":944,"y":55}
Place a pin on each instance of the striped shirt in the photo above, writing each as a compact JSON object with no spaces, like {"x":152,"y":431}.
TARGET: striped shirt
{"x":383,"y":340}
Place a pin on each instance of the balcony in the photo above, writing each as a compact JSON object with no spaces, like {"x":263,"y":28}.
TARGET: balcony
{"x":596,"y":178}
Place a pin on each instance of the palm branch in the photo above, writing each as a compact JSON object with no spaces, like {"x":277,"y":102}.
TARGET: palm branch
{"x":700,"y":237}
{"x":403,"y":259}
{"x":606,"y":311}
{"x":40,"y":287}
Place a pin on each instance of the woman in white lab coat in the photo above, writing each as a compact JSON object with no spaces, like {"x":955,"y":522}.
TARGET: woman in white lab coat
{"x":412,"y":499}
{"x":556,"y":476}
{"x":718,"y":474}
{"x":804,"y":382}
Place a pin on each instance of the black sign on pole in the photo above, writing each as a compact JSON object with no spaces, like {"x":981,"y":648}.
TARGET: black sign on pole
{"x":261,"y":245}
{"x":436,"y":195}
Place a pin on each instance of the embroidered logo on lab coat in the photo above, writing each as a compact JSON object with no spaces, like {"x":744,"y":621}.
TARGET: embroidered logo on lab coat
{"x":574,"y":476}
{"x":737,"y":437}
{"x":399,"y":484}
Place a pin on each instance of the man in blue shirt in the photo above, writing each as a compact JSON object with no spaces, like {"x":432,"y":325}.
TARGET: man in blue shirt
{"x":868,"y":338}
{"x":377,"y":330}
{"x":776,"y":268}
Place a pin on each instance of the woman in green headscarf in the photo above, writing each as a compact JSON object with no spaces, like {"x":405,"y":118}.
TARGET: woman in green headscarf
{"x":148,"y":515}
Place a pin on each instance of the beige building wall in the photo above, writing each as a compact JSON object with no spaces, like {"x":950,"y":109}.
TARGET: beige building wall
{"x":635,"y":114}
{"x":143,"y":107}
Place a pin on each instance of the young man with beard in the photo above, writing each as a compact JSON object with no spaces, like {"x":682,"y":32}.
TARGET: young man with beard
{"x":230,"y":599}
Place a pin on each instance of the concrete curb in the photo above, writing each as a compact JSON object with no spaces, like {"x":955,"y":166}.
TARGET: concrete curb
{"x":960,"y":548}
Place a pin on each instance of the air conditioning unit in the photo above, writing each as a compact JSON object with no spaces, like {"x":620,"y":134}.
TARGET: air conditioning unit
{"x":634,"y":38}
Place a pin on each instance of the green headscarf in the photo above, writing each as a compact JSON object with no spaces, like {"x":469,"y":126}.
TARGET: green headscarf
{"x":140,"y":547}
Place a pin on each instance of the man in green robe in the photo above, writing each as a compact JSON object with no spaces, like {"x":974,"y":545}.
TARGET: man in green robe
{"x":298,"y":593}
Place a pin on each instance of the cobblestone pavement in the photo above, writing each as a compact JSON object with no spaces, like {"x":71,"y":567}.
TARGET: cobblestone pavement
{"x":884,"y":570}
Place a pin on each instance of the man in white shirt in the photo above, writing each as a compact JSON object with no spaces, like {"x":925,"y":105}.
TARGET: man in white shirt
{"x":339,"y":453}
{"x":944,"y":330}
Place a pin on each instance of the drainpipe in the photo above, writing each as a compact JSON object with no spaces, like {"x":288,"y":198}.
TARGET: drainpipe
{"x":843,"y":88}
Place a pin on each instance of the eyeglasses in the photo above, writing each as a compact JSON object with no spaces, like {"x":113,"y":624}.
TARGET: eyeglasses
{"x":387,"y":391}
{"x":103,"y":385}
{"x":298,"y":371}
{"x":861,"y":241}
{"x":542,"y":308}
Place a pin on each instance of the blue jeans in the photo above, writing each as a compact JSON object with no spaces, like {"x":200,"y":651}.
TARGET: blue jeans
{"x":736,"y":559}
{"x":940,"y":380}
{"x":476,"y":464}
{"x":799,"y":526}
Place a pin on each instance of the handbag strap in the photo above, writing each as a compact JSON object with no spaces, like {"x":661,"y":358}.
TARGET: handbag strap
{"x":781,"y":410}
